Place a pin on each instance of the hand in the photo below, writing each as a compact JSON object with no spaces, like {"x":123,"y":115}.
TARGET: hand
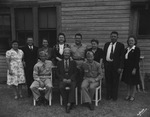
{"x":92,"y":80}
{"x":119,"y":70}
{"x":69,"y":81}
{"x":10,"y":72}
{"x":41,"y":84}
{"x":65,"y":80}
{"x":134,"y":71}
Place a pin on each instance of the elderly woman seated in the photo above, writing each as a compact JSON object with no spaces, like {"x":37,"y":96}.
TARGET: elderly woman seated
{"x":42,"y":78}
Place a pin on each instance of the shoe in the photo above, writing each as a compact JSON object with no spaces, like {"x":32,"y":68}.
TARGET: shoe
{"x":131,"y":99}
{"x":67,"y":109}
{"x":91,"y":106}
{"x":127,"y":98}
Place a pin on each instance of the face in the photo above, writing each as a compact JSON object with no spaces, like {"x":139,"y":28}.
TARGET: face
{"x":30,"y":41}
{"x":114,"y":37}
{"x":131,"y":41}
{"x":90,"y":57}
{"x":94,"y":45}
{"x":66,"y":54}
{"x":45,"y":43}
{"x":43,"y":57}
{"x":78,"y":39}
{"x":61,"y":38}
{"x":15,"y":45}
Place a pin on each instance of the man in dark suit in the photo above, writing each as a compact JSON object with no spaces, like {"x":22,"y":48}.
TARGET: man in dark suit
{"x":113,"y":63}
{"x":66,"y":72}
{"x":30,"y":59}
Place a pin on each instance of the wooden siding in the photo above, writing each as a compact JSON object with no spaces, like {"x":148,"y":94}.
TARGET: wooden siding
{"x":96,"y":19}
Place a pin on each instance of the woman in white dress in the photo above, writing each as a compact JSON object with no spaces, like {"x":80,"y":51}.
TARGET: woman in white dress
{"x":15,"y":72}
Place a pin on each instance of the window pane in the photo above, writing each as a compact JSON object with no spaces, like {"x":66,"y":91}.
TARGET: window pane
{"x":144,"y":22}
{"x":24,"y":19}
{"x":47,"y":17}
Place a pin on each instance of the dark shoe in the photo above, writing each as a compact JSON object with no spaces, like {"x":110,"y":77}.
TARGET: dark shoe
{"x":127,"y":98}
{"x":67,"y":109}
{"x":131,"y":99}
{"x":91,"y":106}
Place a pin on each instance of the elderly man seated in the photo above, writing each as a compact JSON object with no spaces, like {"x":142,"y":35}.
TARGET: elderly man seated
{"x":66,"y":72}
{"x":42,"y":78}
{"x":92,"y":74}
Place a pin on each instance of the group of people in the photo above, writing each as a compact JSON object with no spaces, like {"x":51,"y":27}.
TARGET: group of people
{"x":76,"y":66}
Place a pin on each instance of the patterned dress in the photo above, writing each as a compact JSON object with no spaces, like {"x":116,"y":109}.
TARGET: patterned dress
{"x":16,"y":66}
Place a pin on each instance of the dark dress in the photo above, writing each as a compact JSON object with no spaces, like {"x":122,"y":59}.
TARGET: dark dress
{"x":98,"y":54}
{"x":129,"y":64}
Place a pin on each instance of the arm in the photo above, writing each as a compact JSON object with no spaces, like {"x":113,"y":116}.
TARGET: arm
{"x":100,"y":74}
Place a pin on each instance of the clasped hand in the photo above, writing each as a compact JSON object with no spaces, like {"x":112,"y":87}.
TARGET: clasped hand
{"x":67,"y":80}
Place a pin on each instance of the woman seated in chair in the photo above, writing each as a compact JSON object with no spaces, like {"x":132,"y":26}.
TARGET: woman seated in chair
{"x":92,"y":74}
{"x":42,"y":78}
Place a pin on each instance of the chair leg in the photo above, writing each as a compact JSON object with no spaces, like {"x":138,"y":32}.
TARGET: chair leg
{"x":96,"y":98}
{"x":50,"y":99}
{"x":100,"y":95}
{"x":34,"y":102}
{"x":81,"y":96}
{"x":76,"y":96}
{"x":60,"y":100}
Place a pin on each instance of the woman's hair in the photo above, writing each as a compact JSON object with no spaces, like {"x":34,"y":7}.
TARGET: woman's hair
{"x":114,"y":32}
{"x":132,"y":36}
{"x":62,"y":35}
{"x":95,"y":40}
{"x":14,"y":41}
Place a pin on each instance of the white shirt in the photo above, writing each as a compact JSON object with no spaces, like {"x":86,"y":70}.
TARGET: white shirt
{"x":109,"y":51}
{"x":61,"y":49}
{"x":31,"y":47}
{"x":128,"y":50}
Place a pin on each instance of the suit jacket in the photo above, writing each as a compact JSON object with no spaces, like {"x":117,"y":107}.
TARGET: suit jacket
{"x":72,"y":72}
{"x":118,"y":56}
{"x":30,"y":56}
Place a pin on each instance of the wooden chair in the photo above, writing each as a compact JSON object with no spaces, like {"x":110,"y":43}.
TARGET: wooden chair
{"x":97,"y":94}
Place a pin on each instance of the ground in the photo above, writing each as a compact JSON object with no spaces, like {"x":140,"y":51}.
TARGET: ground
{"x":120,"y":108}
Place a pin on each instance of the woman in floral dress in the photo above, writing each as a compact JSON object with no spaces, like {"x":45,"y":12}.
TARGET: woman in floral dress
{"x":15,"y":72}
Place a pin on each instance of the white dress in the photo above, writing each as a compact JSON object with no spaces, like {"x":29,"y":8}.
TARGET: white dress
{"x":16,"y":66}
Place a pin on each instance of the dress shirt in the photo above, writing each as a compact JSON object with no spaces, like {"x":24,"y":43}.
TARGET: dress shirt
{"x":61,"y":49}
{"x":109,"y":51}
{"x":42,"y":70}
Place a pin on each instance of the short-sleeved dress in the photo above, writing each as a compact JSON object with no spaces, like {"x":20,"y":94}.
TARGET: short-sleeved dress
{"x":16,"y":66}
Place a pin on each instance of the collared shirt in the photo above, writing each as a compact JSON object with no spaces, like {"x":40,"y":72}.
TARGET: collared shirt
{"x":42,"y":70}
{"x":78,"y":52}
{"x":92,"y":70}
{"x":30,"y":47}
{"x":109,"y":51}
{"x":128,"y":50}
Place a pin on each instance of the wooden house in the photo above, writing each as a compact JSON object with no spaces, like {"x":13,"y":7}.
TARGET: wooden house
{"x":92,"y":18}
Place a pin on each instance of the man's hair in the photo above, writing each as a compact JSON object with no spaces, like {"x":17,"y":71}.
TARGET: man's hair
{"x":95,"y":40}
{"x":114,"y":32}
{"x":78,"y":34}
{"x":42,"y":53}
{"x":89,"y":53}
{"x":29,"y":37}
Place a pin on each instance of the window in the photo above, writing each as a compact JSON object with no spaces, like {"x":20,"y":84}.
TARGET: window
{"x":144,"y":22}
{"x":24,"y":24}
{"x":47,"y":25}
{"x":5,"y":33}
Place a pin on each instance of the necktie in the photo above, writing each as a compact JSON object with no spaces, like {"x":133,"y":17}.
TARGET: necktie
{"x":66,"y":65}
{"x":111,"y":53}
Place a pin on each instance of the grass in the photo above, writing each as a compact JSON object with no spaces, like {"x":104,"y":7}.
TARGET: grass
{"x":24,"y":107}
